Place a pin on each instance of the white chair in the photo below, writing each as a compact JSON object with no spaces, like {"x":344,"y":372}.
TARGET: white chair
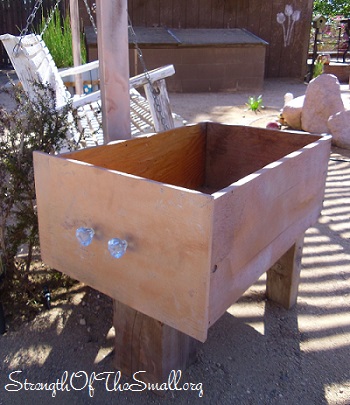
{"x":33,"y":62}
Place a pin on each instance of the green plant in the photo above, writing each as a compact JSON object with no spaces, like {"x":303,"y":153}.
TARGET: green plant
{"x":332,"y":8}
{"x":58,"y":39}
{"x":30,"y":126}
{"x":318,"y":69}
{"x":255,"y":103}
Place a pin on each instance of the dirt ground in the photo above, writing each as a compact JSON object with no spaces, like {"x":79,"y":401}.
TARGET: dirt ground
{"x":257,"y":353}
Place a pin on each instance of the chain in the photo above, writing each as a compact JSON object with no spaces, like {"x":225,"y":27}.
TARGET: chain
{"x":29,"y":22}
{"x":31,"y":17}
{"x":88,"y":9}
{"x":155,"y":93}
{"x":50,"y":17}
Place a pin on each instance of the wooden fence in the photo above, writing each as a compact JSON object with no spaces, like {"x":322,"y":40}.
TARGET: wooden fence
{"x":285,"y":56}
{"x":14,"y":15}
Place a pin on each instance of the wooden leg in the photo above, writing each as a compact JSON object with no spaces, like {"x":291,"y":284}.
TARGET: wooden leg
{"x":145,"y":344}
{"x":284,"y":276}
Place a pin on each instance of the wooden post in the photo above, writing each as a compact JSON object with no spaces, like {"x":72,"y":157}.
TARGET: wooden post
{"x":75,"y":26}
{"x":284,"y":276}
{"x":113,"y":53}
{"x":142,"y":343}
{"x":145,"y":344}
{"x":159,"y":105}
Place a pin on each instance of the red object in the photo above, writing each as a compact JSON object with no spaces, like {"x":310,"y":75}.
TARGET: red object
{"x":273,"y":125}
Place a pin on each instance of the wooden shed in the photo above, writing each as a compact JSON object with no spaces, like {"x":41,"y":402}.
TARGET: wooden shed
{"x":219,"y":45}
{"x":283,"y":24}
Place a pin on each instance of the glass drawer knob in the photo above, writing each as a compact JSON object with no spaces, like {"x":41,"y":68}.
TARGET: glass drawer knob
{"x":85,"y":235}
{"x":117,"y":247}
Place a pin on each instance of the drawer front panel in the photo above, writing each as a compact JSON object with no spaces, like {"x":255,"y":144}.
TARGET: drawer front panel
{"x":165,"y":270}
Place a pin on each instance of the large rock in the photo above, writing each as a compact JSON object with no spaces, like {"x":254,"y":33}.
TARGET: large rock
{"x":339,"y":127}
{"x":291,"y":112}
{"x":322,"y":99}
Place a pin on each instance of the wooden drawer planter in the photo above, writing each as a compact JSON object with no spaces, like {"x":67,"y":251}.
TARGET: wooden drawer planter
{"x":205,"y":210}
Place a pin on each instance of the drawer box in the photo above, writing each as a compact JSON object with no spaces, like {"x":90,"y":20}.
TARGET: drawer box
{"x":205,"y":210}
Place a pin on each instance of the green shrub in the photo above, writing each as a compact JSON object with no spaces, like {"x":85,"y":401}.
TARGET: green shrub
{"x":318,"y":69}
{"x":28,"y":127}
{"x":332,"y":8}
{"x":58,"y":39}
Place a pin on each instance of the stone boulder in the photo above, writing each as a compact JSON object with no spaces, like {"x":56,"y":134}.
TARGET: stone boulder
{"x":291,"y":112}
{"x":322,"y":100}
{"x":339,"y":127}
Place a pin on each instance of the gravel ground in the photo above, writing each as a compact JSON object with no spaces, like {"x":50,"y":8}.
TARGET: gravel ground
{"x":257,"y":353}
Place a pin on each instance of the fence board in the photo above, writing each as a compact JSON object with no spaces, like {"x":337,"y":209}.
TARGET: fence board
{"x":267,"y":18}
{"x":218,"y":9}
{"x":152,"y":13}
{"x":288,"y":63}
{"x":230,"y":14}
{"x":242,"y":13}
{"x":205,"y":14}
{"x":192,"y":13}
{"x":257,"y":16}
{"x":179,"y":13}
{"x":139,"y":14}
{"x":276,"y":40}
{"x":166,"y":13}
{"x":14,"y":15}
{"x":254,"y":17}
